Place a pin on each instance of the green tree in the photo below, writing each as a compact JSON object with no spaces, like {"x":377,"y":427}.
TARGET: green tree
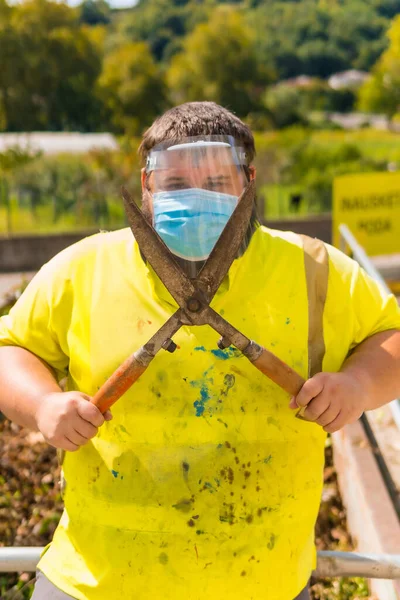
{"x":131,"y":87}
{"x":50,"y":67}
{"x":387,"y":8}
{"x":163,"y":23}
{"x":219,"y":62}
{"x":317,"y":38}
{"x":11,"y":66}
{"x":284,"y":105}
{"x":381,"y":93}
{"x":94,"y":12}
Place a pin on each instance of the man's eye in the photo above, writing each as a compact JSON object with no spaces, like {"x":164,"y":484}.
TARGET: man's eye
{"x":173,"y":187}
{"x":214,"y":185}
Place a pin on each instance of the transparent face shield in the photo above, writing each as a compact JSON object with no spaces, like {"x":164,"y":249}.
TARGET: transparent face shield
{"x":195,"y":186}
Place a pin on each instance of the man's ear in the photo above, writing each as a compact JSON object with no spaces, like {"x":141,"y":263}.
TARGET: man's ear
{"x":147,"y":180}
{"x":143,"y":178}
{"x":252,"y":172}
{"x":147,"y":202}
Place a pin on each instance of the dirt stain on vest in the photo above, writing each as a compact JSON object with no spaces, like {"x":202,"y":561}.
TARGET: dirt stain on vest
{"x":155,"y":391}
{"x":141,"y":323}
{"x":272,"y":421}
{"x":162,"y":376}
{"x":97,"y":474}
{"x":229,"y":382}
{"x":228,"y":513}
{"x":185,"y":472}
{"x":184,"y":505}
{"x":227,"y":474}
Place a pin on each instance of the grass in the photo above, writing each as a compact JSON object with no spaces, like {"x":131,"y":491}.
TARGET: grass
{"x":24,"y":222}
{"x":277,"y":201}
{"x":375,"y":144}
{"x":379,"y":145}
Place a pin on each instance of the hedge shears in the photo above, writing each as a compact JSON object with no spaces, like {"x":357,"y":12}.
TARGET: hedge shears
{"x":193,"y":297}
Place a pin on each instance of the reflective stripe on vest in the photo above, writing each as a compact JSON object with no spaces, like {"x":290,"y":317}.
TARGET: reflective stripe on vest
{"x":316,"y":263}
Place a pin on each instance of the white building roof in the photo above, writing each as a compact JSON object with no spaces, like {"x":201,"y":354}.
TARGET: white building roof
{"x":347,"y":79}
{"x":56,"y":143}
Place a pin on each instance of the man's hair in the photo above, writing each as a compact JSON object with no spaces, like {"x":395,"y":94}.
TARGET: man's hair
{"x":197,"y":118}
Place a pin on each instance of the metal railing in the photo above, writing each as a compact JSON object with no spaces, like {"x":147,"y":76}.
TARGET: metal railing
{"x":329,"y":564}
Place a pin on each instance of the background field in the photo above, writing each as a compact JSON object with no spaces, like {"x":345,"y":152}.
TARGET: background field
{"x":40,"y":194}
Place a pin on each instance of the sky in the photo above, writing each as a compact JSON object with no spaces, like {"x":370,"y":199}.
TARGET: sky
{"x":112,"y":3}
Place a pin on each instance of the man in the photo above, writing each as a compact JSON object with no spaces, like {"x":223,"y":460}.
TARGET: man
{"x":204,"y":484}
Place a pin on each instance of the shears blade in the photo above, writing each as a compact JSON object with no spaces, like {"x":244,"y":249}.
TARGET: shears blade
{"x":157,"y":253}
{"x":225,"y":250}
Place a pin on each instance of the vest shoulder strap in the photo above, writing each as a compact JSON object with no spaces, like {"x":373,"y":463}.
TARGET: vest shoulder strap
{"x":316,"y":263}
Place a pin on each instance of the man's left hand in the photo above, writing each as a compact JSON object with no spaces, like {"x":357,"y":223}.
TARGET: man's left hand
{"x":332,"y":400}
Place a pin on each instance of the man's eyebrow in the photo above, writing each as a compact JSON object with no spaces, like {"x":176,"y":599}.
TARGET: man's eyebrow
{"x":174,"y":179}
{"x":218,"y":177}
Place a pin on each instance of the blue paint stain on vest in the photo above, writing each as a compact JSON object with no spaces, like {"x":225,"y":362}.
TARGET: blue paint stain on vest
{"x":200,"y":405}
{"x":230,"y":352}
{"x":115,"y":473}
{"x":225,"y":354}
{"x":205,"y":395}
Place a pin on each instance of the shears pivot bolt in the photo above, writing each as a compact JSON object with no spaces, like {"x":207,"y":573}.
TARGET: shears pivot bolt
{"x":169,"y":345}
{"x":223,"y":343}
{"x":193,"y":305}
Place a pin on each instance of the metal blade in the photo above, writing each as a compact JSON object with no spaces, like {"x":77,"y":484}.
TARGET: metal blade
{"x":157,"y":253}
{"x":228,"y":244}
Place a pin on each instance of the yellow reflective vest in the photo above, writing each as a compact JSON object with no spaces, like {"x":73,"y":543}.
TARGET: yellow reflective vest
{"x":204,"y":484}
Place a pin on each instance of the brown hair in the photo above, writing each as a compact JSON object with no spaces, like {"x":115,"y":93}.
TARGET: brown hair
{"x":197,"y":118}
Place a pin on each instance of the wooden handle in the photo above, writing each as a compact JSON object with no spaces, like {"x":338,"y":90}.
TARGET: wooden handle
{"x":119,"y":382}
{"x":279,"y":372}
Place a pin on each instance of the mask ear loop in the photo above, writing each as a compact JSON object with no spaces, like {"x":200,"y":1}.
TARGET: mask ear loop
{"x":147,"y":203}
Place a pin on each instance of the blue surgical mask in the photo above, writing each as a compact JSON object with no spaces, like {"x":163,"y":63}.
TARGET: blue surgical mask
{"x":190,"y":221}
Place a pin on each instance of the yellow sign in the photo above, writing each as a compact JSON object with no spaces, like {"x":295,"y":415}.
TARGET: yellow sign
{"x":369,"y":204}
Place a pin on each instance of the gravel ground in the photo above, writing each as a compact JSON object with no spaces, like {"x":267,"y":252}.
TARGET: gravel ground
{"x":12,"y":282}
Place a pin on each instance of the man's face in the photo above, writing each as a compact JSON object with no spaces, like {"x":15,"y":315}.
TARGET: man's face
{"x":190,"y":194}
{"x":206,"y":169}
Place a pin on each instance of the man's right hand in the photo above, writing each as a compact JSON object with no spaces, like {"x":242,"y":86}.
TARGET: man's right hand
{"x":67,"y":420}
